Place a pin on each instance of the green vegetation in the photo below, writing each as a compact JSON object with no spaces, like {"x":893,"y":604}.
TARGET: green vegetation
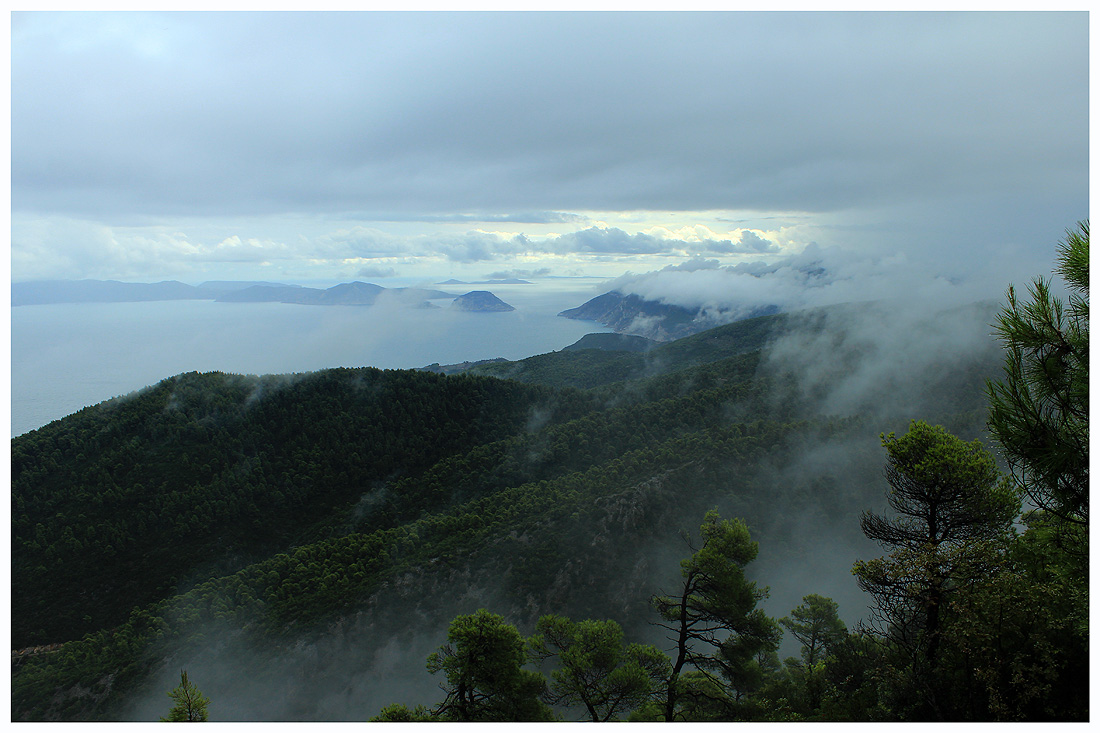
{"x":483,"y":663}
{"x":595,"y":669}
{"x":222,"y":521}
{"x":1039,"y":413}
{"x":191,"y":705}
{"x":713,"y":620}
{"x":130,"y":502}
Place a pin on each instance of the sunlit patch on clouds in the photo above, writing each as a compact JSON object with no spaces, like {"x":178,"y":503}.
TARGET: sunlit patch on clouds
{"x":75,"y":248}
{"x":263,"y":146}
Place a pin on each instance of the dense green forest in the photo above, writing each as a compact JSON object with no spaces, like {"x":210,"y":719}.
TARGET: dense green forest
{"x":591,"y":534}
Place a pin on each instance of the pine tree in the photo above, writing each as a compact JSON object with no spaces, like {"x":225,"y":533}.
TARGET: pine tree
{"x":715,"y":611}
{"x":191,"y":705}
{"x":596,"y":668}
{"x":1039,"y":412}
{"x":483,"y":663}
{"x":816,"y":623}
{"x":951,"y":509}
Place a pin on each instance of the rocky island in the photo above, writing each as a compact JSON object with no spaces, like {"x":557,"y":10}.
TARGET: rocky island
{"x":480,"y":301}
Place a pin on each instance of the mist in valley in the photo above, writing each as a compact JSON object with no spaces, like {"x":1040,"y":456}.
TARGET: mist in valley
{"x":884,"y":363}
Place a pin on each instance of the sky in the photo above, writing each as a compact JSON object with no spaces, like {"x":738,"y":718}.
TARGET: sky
{"x":688,"y":155}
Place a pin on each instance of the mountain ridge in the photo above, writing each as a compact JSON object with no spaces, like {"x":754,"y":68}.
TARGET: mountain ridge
{"x":632,"y":314}
{"x":44,"y":292}
{"x":229,"y":521}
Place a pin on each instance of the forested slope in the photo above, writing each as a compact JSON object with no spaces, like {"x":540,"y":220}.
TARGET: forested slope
{"x":131,"y":501}
{"x":285,"y":533}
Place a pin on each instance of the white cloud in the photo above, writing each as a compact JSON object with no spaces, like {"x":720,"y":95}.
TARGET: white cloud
{"x":152,"y":145}
{"x":331,"y":112}
{"x":818,"y":276}
{"x":376,"y":271}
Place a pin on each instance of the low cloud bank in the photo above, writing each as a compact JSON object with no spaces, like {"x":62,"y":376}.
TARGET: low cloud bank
{"x":820,"y":276}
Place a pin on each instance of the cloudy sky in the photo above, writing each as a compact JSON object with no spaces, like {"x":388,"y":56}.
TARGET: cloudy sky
{"x":379,"y":146}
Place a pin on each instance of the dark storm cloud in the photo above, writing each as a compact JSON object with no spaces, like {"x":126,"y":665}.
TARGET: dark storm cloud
{"x":117,"y":115}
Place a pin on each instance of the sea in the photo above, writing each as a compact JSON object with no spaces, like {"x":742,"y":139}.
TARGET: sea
{"x":67,"y":356}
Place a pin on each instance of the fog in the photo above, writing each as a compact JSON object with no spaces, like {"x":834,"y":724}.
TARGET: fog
{"x":68,"y":356}
{"x":889,"y":362}
{"x":819,"y":276}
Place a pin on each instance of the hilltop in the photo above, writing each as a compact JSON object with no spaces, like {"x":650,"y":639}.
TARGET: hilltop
{"x":633,"y":314}
{"x":303,"y":533}
{"x":480,"y":301}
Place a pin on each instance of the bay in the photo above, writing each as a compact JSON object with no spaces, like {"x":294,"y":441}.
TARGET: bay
{"x":67,"y":356}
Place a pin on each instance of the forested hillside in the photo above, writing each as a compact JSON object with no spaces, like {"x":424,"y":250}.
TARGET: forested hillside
{"x":299,"y":544}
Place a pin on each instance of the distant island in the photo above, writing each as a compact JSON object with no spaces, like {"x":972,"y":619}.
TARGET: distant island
{"x":480,"y":301}
{"x":45,"y":292}
{"x":500,"y":281}
{"x":354,"y":293}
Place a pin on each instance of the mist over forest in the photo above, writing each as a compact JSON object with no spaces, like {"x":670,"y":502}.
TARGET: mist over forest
{"x":431,"y":497}
{"x":305,"y":430}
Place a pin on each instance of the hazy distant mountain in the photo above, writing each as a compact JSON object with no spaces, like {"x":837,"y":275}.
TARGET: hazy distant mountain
{"x":499,"y":281}
{"x":271,"y":294}
{"x":635,"y":315}
{"x":480,"y":301}
{"x":225,"y":291}
{"x":224,"y":285}
{"x":42,"y":292}
{"x":101,"y":291}
{"x":353,"y":293}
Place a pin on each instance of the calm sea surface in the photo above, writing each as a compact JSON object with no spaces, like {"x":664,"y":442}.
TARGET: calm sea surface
{"x":67,"y":356}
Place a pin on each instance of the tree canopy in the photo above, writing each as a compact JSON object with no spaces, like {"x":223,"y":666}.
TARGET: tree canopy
{"x":1039,"y":410}
{"x":485,"y":680}
{"x":191,"y":705}
{"x":950,"y":508}
{"x":712,"y":618}
{"x":596,"y":669}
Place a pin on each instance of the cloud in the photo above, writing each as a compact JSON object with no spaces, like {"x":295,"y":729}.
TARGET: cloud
{"x":753,"y":242}
{"x":376,"y":271}
{"x":476,"y":246}
{"x":819,"y":276}
{"x":605,"y":240}
{"x":693,"y":264}
{"x":320,"y":138}
{"x":532,"y":217}
{"x":234,"y":249}
{"x":355,"y":242}
{"x":209,"y":115}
